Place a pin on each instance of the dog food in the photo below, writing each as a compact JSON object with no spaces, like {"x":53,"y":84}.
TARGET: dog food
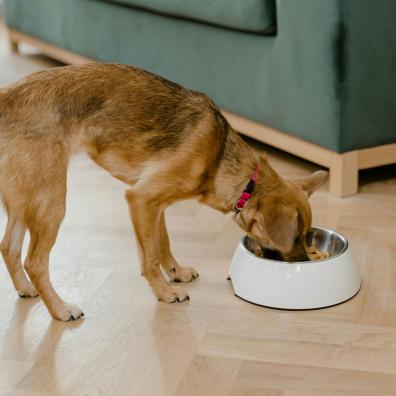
{"x":316,"y":254}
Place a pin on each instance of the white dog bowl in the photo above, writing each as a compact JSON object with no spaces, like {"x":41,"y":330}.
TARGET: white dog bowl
{"x":299,"y":285}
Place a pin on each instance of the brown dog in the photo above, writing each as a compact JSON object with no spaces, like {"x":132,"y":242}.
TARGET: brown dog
{"x":166,"y":142}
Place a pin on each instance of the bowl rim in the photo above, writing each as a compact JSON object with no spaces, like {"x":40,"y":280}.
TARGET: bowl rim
{"x":300,"y":262}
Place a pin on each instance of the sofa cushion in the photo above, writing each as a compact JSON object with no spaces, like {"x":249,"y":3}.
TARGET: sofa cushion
{"x":255,"y":16}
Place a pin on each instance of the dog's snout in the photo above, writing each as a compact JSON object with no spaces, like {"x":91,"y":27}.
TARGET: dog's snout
{"x":298,"y":253}
{"x":303,"y":256}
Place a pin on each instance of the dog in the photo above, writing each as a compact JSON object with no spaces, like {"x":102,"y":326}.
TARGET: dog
{"x":166,"y":142}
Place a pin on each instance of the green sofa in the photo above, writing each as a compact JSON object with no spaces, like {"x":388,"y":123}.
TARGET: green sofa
{"x":314,"y":77}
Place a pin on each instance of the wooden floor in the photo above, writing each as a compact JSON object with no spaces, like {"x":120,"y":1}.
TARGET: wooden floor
{"x":216,"y":344}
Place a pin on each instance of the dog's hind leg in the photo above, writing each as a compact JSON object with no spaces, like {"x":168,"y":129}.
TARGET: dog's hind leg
{"x":176,"y":272}
{"x":11,"y":247}
{"x":43,"y":221}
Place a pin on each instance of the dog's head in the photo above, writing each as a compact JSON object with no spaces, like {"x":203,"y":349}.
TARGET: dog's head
{"x":279,"y":220}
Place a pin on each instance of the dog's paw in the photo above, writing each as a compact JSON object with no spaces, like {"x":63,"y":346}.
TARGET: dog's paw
{"x":173,"y":295}
{"x":68,"y":312}
{"x":27,"y":291}
{"x":183,"y":274}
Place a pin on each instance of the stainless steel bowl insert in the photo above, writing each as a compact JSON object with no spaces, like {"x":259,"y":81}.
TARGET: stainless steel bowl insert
{"x":321,"y":238}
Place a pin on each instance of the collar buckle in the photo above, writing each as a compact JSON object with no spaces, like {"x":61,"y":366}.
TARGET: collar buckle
{"x":247,"y":192}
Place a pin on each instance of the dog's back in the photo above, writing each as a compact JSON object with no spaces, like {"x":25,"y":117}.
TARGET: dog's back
{"x":122,"y":116}
{"x":102,"y":108}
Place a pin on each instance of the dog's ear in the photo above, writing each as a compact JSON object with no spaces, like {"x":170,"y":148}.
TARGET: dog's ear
{"x":281,"y":226}
{"x":313,"y":182}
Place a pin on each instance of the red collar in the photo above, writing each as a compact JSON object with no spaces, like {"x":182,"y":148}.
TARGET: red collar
{"x":247,"y":192}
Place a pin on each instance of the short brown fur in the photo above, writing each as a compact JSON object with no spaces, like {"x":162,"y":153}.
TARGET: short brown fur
{"x":166,"y":142}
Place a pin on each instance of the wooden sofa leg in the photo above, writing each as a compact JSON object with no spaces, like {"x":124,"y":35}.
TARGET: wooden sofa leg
{"x":344,"y":174}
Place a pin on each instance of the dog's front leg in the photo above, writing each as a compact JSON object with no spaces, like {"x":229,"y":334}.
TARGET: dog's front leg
{"x":146,"y":218}
{"x":176,"y":272}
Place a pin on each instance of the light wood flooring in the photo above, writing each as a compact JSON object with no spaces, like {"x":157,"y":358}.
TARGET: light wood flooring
{"x":216,"y":344}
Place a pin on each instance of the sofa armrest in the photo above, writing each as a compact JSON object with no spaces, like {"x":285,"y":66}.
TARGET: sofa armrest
{"x":340,"y":55}
{"x":367,"y":73}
